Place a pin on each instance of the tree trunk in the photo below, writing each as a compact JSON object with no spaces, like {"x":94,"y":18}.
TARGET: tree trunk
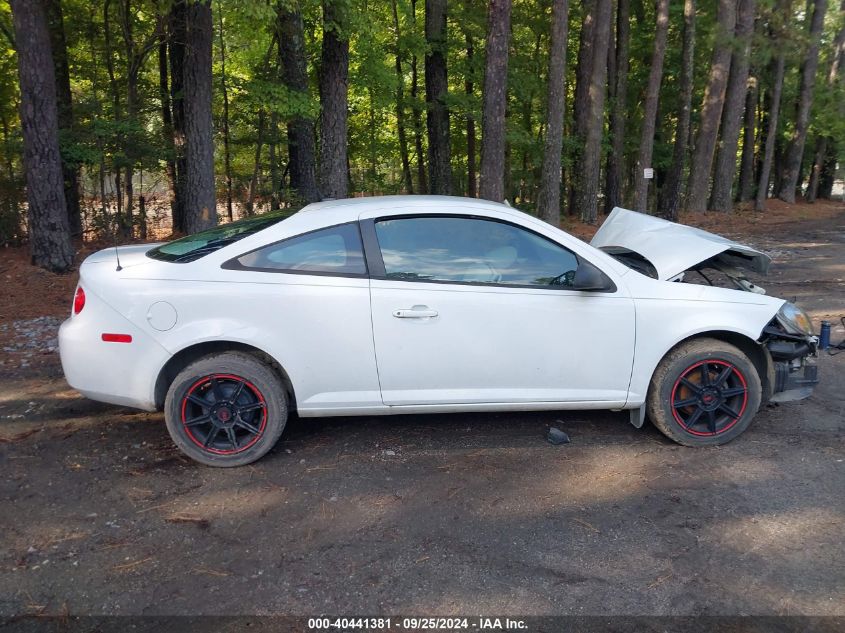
{"x":135,"y":57}
{"x":591,"y":164}
{"x":260,"y":132}
{"x":273,"y":159}
{"x":746,"y":167}
{"x":49,"y":231}
{"x":416,"y":111}
{"x":176,"y":50}
{"x":777,"y":167}
{"x":373,"y":169}
{"x":619,"y":108}
{"x":721,"y":198}
{"x":12,"y":231}
{"x":400,"y":107}
{"x":95,"y":54}
{"x":200,"y":195}
{"x":256,"y":164}
{"x":508,"y":173}
{"x":711,"y":109}
{"x":526,"y":106}
{"x":422,"y":180}
{"x":548,"y":198}
{"x":469,"y":88}
{"x":302,"y":153}
{"x":828,"y":174}
{"x":166,"y":114}
{"x":652,"y":97}
{"x":70,"y":171}
{"x":116,"y":113}
{"x":101,"y":178}
{"x":131,"y":114}
{"x":581,"y":99}
{"x":837,"y":65}
{"x":670,"y":193}
{"x":142,"y":214}
{"x":795,"y":149}
{"x":334,"y":72}
{"x":436,"y":88}
{"x":494,"y":98}
{"x":819,"y":157}
{"x":584,"y":69}
{"x":773,"y":114}
{"x":227,"y":157}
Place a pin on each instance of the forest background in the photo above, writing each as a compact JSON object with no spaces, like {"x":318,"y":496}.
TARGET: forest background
{"x":138,"y":119}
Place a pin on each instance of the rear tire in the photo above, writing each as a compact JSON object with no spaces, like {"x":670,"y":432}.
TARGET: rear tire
{"x":705,"y":392}
{"x":226,"y":409}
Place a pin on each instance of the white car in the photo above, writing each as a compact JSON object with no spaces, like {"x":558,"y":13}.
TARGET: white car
{"x":417,"y":304}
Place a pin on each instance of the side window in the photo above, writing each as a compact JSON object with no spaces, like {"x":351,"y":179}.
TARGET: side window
{"x":471,"y":250}
{"x":335,"y":250}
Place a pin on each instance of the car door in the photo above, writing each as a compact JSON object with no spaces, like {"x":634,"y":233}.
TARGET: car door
{"x":470,"y":310}
{"x":305,"y":300}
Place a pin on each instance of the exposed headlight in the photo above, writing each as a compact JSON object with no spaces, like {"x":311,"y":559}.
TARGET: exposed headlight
{"x":795,"y":320}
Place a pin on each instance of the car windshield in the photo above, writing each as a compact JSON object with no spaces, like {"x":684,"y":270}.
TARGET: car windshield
{"x":191,"y":247}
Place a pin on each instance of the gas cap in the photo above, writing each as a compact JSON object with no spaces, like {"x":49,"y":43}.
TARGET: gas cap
{"x":161,"y":316}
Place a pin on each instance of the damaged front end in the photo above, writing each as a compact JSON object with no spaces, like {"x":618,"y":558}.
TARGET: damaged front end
{"x":672,"y":252}
{"x":793,"y":347}
{"x":789,"y":338}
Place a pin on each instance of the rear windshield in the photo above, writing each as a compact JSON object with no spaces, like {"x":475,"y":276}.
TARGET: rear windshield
{"x":191,"y":247}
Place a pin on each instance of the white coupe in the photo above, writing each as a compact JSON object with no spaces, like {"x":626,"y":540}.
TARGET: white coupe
{"x":418,"y":304}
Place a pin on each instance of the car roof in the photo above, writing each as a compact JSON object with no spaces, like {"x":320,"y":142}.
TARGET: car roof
{"x":335,"y":212}
{"x":353,"y":207}
{"x":327,"y":213}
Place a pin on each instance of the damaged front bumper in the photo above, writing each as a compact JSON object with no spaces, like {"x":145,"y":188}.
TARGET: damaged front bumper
{"x":794,"y":365}
{"x":794,"y":383}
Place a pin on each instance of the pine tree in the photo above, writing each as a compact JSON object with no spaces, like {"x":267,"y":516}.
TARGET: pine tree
{"x":49,"y":230}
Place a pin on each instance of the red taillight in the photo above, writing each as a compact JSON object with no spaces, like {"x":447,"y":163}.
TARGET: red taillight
{"x":78,"y":300}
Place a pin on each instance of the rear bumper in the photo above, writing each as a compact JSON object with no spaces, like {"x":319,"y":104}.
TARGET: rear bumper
{"x":117,"y":373}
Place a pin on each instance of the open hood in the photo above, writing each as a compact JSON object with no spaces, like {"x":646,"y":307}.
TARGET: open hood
{"x":674,"y":248}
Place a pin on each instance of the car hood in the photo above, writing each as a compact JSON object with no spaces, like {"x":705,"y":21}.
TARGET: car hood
{"x":674,"y":248}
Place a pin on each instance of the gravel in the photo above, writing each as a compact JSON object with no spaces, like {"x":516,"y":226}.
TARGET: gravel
{"x":31,"y":336}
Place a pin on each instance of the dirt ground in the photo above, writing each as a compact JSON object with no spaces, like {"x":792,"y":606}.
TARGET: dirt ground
{"x":425,"y":515}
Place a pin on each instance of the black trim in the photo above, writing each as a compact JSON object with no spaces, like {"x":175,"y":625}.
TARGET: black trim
{"x":234,"y":264}
{"x":479,"y":284}
{"x":777,"y":331}
{"x":375,"y":262}
{"x":372,"y":250}
{"x":788,"y":350}
{"x":309,"y":273}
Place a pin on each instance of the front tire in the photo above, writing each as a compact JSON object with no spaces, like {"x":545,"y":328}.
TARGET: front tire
{"x":705,"y":392}
{"x":226,"y":409}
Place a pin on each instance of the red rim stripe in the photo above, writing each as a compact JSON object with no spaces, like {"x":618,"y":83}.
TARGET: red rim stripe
{"x":205,"y":380}
{"x":687,"y":372}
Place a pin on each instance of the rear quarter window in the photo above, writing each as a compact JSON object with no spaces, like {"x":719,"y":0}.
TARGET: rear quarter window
{"x":192,"y":247}
{"x":336,"y":250}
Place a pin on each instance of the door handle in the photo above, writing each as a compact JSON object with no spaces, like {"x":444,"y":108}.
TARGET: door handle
{"x":417,"y":312}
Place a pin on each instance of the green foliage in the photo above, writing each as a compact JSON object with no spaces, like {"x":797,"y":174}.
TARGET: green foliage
{"x":104,"y":137}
